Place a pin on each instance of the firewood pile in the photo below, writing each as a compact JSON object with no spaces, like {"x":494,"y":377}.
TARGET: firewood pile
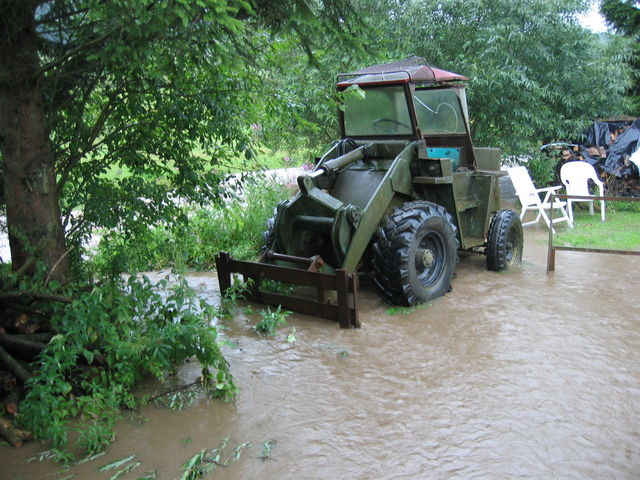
{"x":24,"y":333}
{"x":612,"y":146}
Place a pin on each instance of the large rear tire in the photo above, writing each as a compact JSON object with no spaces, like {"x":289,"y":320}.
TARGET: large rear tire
{"x":504,"y":241}
{"x":415,"y":254}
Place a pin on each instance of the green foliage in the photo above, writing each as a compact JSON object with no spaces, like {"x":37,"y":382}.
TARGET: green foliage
{"x":271,"y":321}
{"x":542,"y":169}
{"x":207,"y":460}
{"x":120,"y":332}
{"x":267,"y":447}
{"x":407,"y":310}
{"x":535,"y":74}
{"x":624,"y":16}
{"x":195,"y":238}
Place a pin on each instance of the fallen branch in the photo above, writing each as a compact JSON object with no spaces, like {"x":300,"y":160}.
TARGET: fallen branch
{"x":172,"y":390}
{"x":14,"y":366}
{"x":14,"y":294}
{"x":20,"y":346}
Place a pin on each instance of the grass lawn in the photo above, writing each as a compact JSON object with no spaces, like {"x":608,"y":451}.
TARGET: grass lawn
{"x":620,"y":231}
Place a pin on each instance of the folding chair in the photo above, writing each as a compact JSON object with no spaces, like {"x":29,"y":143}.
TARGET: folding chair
{"x":576,"y":176}
{"x":529,"y":197}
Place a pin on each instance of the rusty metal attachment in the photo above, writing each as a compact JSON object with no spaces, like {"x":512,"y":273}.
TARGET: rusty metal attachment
{"x":345,"y":284}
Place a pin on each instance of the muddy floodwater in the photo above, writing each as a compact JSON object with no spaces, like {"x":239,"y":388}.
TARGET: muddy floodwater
{"x":510,"y":375}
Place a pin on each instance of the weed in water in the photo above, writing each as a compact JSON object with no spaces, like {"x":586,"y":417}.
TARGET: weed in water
{"x":122,"y":472}
{"x":186,"y":441}
{"x":233,"y":295}
{"x":116,"y":464}
{"x":267,"y":447}
{"x":407,"y":310}
{"x":153,"y":475}
{"x":291,"y":338}
{"x":271,"y":321}
{"x":343,"y":354}
{"x":206,"y":461}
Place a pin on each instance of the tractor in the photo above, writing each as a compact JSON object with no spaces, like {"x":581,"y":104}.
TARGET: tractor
{"x":397,"y":197}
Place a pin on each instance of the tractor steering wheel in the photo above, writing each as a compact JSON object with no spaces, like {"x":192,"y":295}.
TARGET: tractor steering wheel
{"x":376,"y":123}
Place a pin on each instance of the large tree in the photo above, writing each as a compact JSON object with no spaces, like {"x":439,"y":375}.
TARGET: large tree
{"x":153,"y":89}
{"x":624,"y":17}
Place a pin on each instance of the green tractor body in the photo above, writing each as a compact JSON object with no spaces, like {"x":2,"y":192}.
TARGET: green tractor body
{"x":401,"y":192}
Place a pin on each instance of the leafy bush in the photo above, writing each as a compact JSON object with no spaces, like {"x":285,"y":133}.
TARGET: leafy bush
{"x":198,"y":235}
{"x":111,"y":337}
{"x":542,"y":170}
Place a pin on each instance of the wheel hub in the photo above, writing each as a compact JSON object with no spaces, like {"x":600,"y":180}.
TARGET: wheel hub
{"x":426,"y":258}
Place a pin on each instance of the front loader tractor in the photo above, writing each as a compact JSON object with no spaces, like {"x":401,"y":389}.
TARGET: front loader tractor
{"x":397,"y":197}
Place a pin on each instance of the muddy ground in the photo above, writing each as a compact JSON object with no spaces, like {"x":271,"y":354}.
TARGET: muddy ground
{"x":511,"y":375}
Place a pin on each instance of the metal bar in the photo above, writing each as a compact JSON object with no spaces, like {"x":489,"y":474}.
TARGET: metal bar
{"x":597,"y":250}
{"x":563,"y":196}
{"x":289,"y":258}
{"x":551,"y":253}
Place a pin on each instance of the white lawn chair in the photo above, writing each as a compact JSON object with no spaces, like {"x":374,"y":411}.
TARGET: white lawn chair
{"x":575,"y":176}
{"x":529,"y":197}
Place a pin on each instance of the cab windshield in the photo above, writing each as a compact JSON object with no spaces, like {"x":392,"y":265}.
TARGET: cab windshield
{"x":380,"y":111}
{"x":438,"y":111}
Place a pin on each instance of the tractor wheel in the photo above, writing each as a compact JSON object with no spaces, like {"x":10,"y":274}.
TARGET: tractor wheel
{"x":415,"y":254}
{"x":504,"y":242}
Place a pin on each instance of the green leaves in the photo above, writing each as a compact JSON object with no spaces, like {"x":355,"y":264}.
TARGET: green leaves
{"x":120,"y":332}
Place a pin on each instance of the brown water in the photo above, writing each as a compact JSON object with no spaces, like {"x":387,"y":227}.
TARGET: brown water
{"x":512,"y":375}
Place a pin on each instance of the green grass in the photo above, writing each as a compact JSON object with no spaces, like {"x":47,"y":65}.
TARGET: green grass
{"x":620,"y":231}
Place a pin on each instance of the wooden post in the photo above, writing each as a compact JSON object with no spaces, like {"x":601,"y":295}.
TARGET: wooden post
{"x":224,"y":275}
{"x":342,"y":289}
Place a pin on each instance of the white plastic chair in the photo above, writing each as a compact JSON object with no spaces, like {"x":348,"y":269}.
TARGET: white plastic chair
{"x":529,"y":197}
{"x":575,"y":176}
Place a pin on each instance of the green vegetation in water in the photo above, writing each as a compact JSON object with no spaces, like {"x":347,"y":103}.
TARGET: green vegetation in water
{"x":271,"y":321}
{"x":267,"y":447}
{"x":121,"y":332}
{"x":620,"y":231}
{"x":208,"y":460}
{"x":407,"y":310}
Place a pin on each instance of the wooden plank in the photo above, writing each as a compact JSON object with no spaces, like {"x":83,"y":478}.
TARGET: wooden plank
{"x":343,"y":298}
{"x":301,"y":305}
{"x":283,"y":274}
{"x":224,"y":275}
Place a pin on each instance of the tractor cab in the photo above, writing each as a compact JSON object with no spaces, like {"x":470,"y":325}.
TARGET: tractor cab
{"x":409,"y":100}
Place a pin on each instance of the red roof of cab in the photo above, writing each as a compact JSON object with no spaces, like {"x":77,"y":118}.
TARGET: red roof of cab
{"x":410,"y":70}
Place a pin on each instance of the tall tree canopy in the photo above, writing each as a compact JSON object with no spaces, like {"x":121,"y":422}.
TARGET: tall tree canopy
{"x":535,"y":74}
{"x":624,"y":17}
{"x":158,"y":88}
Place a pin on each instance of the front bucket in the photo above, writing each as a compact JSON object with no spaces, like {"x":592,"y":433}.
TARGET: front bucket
{"x":345,"y":312}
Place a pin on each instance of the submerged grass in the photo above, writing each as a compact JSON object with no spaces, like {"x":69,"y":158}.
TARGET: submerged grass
{"x":620,"y":231}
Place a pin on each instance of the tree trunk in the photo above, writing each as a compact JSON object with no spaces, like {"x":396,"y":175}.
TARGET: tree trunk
{"x":33,"y":210}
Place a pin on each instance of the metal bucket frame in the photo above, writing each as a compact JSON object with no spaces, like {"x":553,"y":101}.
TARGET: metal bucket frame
{"x":345,"y":312}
